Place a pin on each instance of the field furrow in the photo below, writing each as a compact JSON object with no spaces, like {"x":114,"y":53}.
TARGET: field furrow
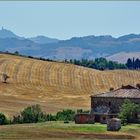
{"x":55,"y":85}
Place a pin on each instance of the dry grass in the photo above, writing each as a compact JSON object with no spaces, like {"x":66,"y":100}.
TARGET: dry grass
{"x":54,"y":86}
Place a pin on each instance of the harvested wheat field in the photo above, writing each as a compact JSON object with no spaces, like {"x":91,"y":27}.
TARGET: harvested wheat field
{"x":54,"y":85}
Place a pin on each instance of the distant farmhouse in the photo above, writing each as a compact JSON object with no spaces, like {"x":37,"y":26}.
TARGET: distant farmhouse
{"x":107,"y":105}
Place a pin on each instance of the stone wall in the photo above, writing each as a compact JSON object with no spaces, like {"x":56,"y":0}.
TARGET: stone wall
{"x":84,"y":118}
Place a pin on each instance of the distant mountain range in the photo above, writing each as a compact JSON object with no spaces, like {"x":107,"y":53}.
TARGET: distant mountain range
{"x":88,"y":47}
{"x":4,"y":33}
{"x":43,"y":39}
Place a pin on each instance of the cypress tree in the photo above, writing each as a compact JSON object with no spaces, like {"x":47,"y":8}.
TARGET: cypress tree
{"x":129,"y":63}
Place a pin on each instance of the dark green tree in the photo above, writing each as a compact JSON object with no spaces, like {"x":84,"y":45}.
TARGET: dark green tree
{"x":17,"y":119}
{"x":33,"y":114}
{"x":65,"y":115}
{"x":133,"y":63}
{"x":137,"y":63}
{"x":3,"y":119}
{"x":127,"y":111}
{"x":16,"y":53}
{"x":129,"y":63}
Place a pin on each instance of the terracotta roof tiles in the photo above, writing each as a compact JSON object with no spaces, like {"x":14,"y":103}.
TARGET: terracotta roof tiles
{"x":123,"y":92}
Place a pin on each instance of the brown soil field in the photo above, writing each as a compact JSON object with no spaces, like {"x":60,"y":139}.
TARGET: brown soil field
{"x":54,"y":85}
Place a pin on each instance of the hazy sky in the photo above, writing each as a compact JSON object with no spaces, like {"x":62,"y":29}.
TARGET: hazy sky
{"x":66,"y":19}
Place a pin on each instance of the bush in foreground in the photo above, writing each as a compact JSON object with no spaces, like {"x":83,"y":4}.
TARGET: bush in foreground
{"x":65,"y":115}
{"x":127,"y":111}
{"x":31,"y":114}
{"x":34,"y":114}
{"x":3,"y":119}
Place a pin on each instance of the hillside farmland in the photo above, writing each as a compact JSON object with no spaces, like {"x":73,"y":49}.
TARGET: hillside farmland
{"x":54,"y":85}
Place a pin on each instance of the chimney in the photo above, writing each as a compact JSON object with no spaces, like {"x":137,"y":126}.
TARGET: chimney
{"x":138,"y":85}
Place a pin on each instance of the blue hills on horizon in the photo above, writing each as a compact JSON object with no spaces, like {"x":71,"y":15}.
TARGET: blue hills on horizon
{"x":87,"y":47}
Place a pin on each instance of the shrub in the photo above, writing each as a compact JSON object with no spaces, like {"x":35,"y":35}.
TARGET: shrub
{"x":3,"y":119}
{"x":33,"y":114}
{"x":82,"y":111}
{"x":127,"y":111}
{"x":17,"y":119}
{"x":51,"y":117}
{"x":65,"y":115}
{"x":66,"y":121}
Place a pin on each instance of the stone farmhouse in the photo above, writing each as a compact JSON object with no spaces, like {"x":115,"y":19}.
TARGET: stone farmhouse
{"x":107,"y":105}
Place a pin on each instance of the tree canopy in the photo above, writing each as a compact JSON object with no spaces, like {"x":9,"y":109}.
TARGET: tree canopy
{"x":128,"y":110}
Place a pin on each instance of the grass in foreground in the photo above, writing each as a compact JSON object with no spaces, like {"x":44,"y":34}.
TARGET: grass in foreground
{"x":61,"y":131}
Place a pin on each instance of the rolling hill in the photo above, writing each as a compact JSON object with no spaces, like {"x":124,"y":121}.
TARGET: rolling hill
{"x":43,"y":39}
{"x":88,"y":47}
{"x":122,"y":57}
{"x":4,"y":33}
{"x":54,"y":85}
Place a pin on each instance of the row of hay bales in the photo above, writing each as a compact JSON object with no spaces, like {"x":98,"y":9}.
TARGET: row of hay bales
{"x":113,"y":124}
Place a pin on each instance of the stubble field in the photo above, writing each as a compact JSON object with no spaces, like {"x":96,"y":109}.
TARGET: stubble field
{"x":54,"y":85}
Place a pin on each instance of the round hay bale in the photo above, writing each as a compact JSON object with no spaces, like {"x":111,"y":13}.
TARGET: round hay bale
{"x":114,"y":124}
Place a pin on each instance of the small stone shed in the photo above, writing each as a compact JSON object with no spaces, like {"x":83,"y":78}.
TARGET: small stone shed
{"x":107,"y":105}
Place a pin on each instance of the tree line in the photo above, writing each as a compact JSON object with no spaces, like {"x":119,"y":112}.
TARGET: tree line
{"x":104,"y":64}
{"x":133,"y":63}
{"x":34,"y":114}
{"x":98,"y":63}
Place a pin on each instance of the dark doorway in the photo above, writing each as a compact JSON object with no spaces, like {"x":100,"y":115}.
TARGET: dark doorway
{"x":97,"y":118}
{"x":109,"y":103}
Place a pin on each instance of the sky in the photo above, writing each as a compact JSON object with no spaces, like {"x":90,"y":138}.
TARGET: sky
{"x":66,"y":19}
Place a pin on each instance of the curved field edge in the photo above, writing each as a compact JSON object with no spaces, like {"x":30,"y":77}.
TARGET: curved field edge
{"x":54,"y":85}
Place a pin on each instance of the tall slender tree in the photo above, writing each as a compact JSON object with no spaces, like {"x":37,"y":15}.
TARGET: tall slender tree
{"x":129,"y":63}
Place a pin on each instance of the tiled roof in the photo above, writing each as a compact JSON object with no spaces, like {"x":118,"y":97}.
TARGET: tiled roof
{"x":123,"y":92}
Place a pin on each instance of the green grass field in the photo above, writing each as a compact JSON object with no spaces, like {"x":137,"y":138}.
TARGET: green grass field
{"x":70,"y":131}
